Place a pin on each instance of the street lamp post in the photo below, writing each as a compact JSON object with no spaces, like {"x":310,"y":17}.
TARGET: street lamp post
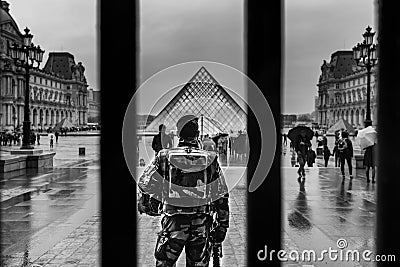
{"x":22,"y":54}
{"x":365,"y":55}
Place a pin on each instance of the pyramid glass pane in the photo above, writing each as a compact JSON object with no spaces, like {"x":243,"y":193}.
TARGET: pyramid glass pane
{"x":204,"y":97}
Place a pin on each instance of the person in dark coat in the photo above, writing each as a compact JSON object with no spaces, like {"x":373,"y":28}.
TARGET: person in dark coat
{"x":285,"y":139}
{"x":161,"y":140}
{"x":301,"y":147}
{"x":369,"y":162}
{"x":38,"y":138}
{"x":311,"y":157}
{"x":335,"y":149}
{"x":345,"y":148}
{"x":327,"y":154}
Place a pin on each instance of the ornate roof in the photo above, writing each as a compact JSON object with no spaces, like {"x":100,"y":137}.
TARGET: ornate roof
{"x":5,"y":16}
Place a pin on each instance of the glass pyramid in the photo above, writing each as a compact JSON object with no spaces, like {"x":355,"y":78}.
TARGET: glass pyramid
{"x":205,"y":98}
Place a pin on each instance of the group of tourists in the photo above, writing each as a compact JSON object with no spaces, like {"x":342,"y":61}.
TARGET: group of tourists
{"x":10,"y":138}
{"x":15,"y":138}
{"x":343,"y":153}
{"x":220,"y":143}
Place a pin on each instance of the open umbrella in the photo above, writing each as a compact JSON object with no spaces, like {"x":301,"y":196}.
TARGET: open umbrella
{"x":366,"y":137}
{"x":295,"y":132}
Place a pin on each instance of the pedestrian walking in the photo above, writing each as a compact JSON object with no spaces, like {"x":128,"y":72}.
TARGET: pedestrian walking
{"x":51,"y":142}
{"x":327,"y":154}
{"x":311,"y":156}
{"x":161,"y":140}
{"x":302,"y":145}
{"x":38,"y":138}
{"x":335,"y":148}
{"x":208,"y":143}
{"x":285,"y":139}
{"x":199,"y":227}
{"x":345,"y":148}
{"x":324,"y":140}
{"x":293,"y":158}
{"x":369,"y":162}
{"x":56,"y":134}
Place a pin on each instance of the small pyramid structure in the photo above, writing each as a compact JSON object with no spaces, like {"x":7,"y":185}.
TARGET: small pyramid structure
{"x":205,"y":98}
{"x":339,"y":125}
{"x":64,"y":123}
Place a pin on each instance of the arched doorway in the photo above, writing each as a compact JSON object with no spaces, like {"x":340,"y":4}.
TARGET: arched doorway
{"x":46,"y":118}
{"x":352,"y":117}
{"x":357,"y":118}
{"x":35,"y":118}
{"x":57,"y":117}
{"x":362,"y":119}
{"x":52,"y":117}
{"x":41,"y":119}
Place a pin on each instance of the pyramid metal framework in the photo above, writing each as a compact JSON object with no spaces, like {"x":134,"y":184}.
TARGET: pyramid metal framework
{"x":204,"y":97}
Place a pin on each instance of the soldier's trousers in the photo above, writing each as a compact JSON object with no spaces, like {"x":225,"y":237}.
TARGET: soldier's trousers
{"x":184,"y":231}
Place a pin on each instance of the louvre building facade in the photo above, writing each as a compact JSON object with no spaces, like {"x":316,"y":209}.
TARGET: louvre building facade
{"x":57,"y":91}
{"x":342,"y":92}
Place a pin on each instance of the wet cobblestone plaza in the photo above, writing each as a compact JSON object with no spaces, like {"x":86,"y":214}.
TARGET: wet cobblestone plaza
{"x":56,"y":222}
{"x":323,"y":210}
{"x":59,"y":225}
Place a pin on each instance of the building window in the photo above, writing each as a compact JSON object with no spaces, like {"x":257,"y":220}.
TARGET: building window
{"x":354,"y":82}
{"x":40,"y":80}
{"x":337,"y":86}
{"x":364,"y":79}
{"x":34,"y":79}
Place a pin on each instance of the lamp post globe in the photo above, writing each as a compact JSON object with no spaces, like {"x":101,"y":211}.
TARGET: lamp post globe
{"x":365,"y":55}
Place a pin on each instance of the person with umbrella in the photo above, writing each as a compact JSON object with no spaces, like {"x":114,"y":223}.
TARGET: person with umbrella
{"x":366,"y":138}
{"x":301,"y":136}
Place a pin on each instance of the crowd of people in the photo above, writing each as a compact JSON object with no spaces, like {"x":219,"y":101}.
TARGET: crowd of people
{"x":342,"y":151}
{"x":221,"y":143}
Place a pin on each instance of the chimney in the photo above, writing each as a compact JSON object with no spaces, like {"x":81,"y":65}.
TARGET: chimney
{"x":5,"y":6}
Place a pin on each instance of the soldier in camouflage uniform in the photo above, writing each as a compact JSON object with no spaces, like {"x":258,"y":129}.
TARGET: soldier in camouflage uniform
{"x":187,"y":219}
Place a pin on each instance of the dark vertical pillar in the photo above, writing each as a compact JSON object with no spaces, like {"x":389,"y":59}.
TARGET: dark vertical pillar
{"x":388,"y":182}
{"x":263,"y":51}
{"x":118,"y":34}
{"x":26,"y":138}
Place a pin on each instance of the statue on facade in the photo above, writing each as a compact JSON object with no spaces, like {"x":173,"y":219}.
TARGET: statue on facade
{"x":78,"y":71}
{"x":327,"y":71}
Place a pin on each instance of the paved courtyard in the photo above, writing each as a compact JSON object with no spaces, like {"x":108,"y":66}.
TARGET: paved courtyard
{"x":51,"y":218}
{"x":323,"y":210}
{"x":59,"y":225}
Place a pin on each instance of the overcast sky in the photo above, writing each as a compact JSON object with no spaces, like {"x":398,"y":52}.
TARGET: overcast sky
{"x":178,"y":31}
{"x":62,"y":25}
{"x":315,"y":29}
